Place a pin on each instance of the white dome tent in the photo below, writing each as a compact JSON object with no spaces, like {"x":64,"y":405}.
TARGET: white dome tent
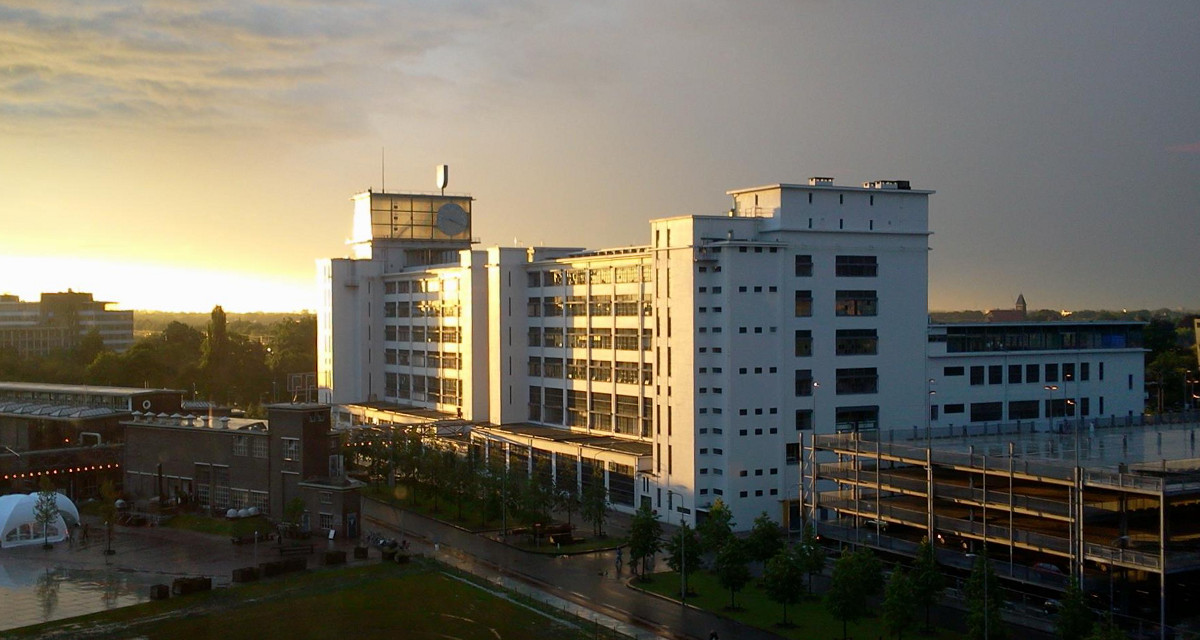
{"x":19,"y":525}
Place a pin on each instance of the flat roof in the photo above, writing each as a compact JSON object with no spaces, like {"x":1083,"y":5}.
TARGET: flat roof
{"x":1145,"y":447}
{"x":553,"y":434}
{"x":826,"y":187}
{"x":100,"y":390}
{"x":403,"y":410}
{"x":216,"y":425}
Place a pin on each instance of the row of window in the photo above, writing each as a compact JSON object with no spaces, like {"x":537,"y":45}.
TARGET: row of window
{"x":847,"y":302}
{"x":596,"y":370}
{"x":423,"y":388}
{"x":848,"y":342}
{"x":623,"y":304}
{"x":414,"y":286}
{"x":602,"y":275}
{"x":422,"y":309}
{"x":1024,"y":374}
{"x":242,"y":446}
{"x":392,"y":333}
{"x":615,"y":413}
{"x":428,"y":359}
{"x":590,"y":338}
{"x":849,"y":381}
{"x":1021,"y":409}
{"x":844,"y":266}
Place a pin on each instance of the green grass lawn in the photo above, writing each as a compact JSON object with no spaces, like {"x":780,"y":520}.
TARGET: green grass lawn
{"x":376,"y":601}
{"x":810,"y":618}
{"x":220,"y":526}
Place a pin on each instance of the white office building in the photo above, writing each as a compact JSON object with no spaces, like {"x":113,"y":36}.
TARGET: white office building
{"x":1043,"y":374}
{"x":686,"y":370}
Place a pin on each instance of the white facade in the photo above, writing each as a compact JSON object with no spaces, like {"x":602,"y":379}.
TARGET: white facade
{"x":708,"y":352}
{"x":1035,"y":372}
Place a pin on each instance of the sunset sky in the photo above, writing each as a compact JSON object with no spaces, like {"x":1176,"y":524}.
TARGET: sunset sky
{"x":176,"y":155}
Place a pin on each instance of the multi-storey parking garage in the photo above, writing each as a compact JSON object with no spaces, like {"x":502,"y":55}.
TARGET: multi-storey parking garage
{"x":1115,"y":504}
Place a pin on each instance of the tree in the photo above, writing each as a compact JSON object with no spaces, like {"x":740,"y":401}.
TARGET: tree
{"x":645,"y":538}
{"x":595,"y":502}
{"x":783,"y":579}
{"x":812,"y":554}
{"x":45,"y":511}
{"x":983,"y":602}
{"x":731,"y":568}
{"x":293,"y":511}
{"x":928,"y":581}
{"x":683,"y":548}
{"x":1074,"y":620}
{"x":1107,"y":630}
{"x":899,"y":603}
{"x":765,"y":539}
{"x":855,"y":578}
{"x":717,"y":528}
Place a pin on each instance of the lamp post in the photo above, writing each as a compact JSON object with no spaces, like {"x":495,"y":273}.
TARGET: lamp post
{"x":984,"y":576}
{"x":682,"y":551}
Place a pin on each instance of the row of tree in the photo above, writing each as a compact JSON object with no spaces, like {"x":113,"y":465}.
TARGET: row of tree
{"x":787,"y":577}
{"x":433,"y":470}
{"x":216,"y":364}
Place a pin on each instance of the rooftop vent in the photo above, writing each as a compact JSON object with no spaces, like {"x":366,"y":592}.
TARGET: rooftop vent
{"x":901,"y":185}
{"x":819,"y":181}
{"x":224,"y":422}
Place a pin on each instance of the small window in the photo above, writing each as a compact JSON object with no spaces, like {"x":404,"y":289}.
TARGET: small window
{"x":951,"y":372}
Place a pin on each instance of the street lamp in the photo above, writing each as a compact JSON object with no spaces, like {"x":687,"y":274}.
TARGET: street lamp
{"x":682,"y":550}
{"x":1050,"y":389}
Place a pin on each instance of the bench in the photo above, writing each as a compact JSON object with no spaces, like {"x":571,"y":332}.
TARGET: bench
{"x":295,"y":549}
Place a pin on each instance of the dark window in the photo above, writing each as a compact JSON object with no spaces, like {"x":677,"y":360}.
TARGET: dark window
{"x":953,"y":408}
{"x":803,"y":304}
{"x":1014,"y":374}
{"x":856,"y":303}
{"x":857,"y":380}
{"x":791,"y":452}
{"x":976,"y":375}
{"x":951,"y":372}
{"x":803,"y":343}
{"x":1023,"y":410}
{"x":804,"y":382}
{"x":987,"y":411}
{"x":804,"y":266}
{"x":1052,"y":373}
{"x":856,"y":419}
{"x":856,"y":342}
{"x":996,"y":374}
{"x":1068,"y":371}
{"x":1085,"y":371}
{"x":803,"y":420}
{"x":856,"y":266}
{"x":1031,"y":373}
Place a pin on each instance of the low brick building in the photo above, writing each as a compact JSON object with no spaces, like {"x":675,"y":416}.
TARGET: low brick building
{"x":227,"y":463}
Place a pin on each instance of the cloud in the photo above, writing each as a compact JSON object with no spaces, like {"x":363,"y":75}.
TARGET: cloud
{"x":227,"y":64}
{"x":1186,"y":148}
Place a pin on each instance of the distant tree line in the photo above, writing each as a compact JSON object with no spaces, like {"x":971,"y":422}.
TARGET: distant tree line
{"x":217,"y":364}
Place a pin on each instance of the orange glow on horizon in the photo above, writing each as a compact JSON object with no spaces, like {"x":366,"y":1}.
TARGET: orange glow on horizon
{"x":155,"y":286}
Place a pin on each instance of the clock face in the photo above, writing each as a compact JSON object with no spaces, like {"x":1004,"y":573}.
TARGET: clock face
{"x":451,"y":219}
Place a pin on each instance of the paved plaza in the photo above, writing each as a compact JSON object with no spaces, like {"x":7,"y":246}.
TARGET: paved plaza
{"x":79,"y":578}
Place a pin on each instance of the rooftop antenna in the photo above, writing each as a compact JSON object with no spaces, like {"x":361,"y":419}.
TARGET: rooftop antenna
{"x":443,"y":177}
{"x":383,"y":169}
